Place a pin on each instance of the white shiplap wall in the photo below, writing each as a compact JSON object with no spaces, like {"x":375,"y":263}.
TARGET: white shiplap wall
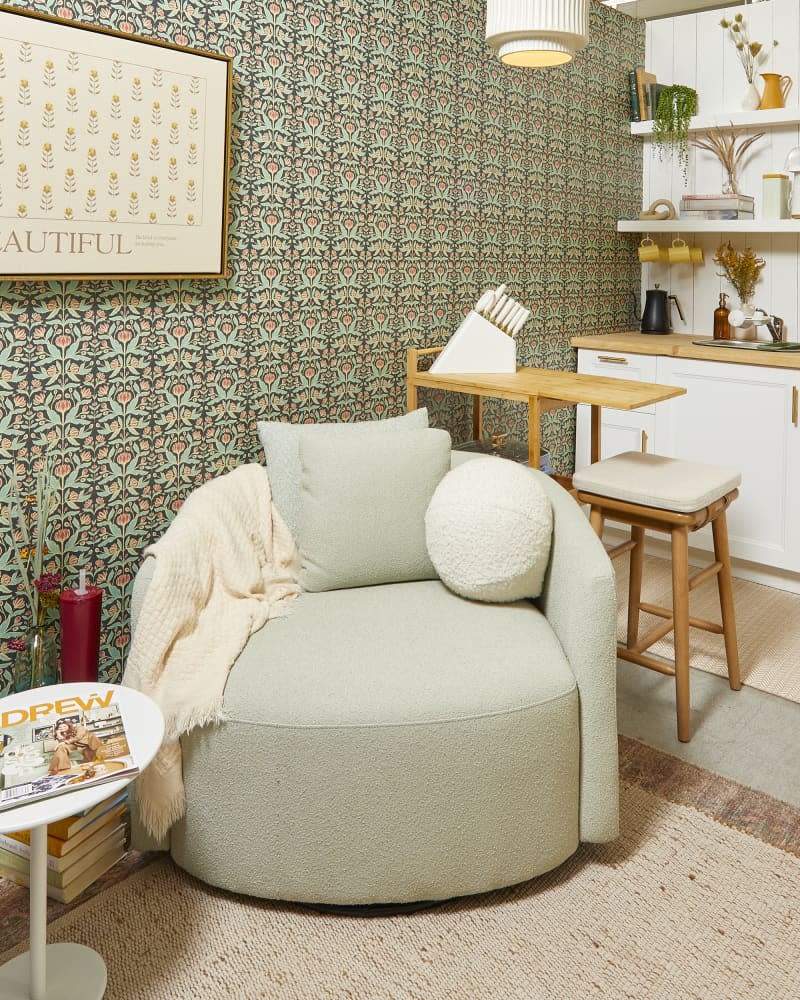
{"x":694,"y":50}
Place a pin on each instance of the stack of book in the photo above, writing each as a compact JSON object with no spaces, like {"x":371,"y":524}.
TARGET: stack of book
{"x":643,"y":93}
{"x":80,"y":849}
{"x":717,"y":206}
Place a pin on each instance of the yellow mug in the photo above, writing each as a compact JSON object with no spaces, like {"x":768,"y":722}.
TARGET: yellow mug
{"x":679,"y":252}
{"x":648,"y":251}
{"x":664,"y":255}
{"x":697,"y":256}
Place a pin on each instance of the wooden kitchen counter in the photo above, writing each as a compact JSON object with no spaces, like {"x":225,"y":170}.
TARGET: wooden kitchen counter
{"x":679,"y":345}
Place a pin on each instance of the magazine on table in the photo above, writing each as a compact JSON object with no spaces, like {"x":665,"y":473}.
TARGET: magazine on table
{"x":50,"y":747}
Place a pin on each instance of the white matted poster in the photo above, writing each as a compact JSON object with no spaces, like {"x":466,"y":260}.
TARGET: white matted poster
{"x":113,"y":153}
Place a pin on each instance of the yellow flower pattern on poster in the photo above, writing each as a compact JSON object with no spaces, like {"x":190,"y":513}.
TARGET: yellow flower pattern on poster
{"x":106,"y":111}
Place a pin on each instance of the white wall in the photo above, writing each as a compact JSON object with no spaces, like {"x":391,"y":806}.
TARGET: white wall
{"x":694,"y":50}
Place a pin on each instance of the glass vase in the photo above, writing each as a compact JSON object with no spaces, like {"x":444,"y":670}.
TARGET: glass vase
{"x":744,"y":332}
{"x":37,"y":664}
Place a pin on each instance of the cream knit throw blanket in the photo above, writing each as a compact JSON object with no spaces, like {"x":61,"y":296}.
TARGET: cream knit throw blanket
{"x":226,"y":564}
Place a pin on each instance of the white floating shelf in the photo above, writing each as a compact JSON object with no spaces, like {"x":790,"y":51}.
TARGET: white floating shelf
{"x":649,"y":10}
{"x":724,"y":119}
{"x":709,"y":226}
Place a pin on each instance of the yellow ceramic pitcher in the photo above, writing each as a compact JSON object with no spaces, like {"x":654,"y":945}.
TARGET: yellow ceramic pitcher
{"x":776,"y":90}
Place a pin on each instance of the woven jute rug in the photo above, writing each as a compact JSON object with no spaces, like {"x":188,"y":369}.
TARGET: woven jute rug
{"x":766,"y":626}
{"x":683,"y":905}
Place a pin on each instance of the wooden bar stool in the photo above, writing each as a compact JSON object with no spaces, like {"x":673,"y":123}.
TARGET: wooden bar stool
{"x":650,"y":492}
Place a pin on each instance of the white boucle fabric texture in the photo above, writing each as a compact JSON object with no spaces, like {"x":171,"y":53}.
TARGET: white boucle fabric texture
{"x":488,"y":530}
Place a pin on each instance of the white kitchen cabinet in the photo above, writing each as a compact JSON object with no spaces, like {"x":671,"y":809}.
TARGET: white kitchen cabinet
{"x":631,"y":431}
{"x":743,"y":416}
{"x":740,"y":415}
{"x":622,"y":430}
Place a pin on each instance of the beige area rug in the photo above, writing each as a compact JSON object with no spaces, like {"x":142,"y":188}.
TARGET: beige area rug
{"x":767,"y":626}
{"x":681,"y":906}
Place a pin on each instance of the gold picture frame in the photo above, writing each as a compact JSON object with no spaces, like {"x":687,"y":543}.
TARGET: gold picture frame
{"x":117,"y":151}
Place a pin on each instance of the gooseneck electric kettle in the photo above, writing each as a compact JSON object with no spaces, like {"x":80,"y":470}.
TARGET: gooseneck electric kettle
{"x":656,"y":316}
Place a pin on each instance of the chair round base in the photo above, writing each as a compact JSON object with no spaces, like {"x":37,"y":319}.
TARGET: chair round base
{"x":373,"y":909}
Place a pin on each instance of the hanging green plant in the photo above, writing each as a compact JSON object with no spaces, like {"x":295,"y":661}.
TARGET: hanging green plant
{"x":676,"y":105}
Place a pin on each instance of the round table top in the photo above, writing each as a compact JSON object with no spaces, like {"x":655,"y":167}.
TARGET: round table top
{"x":144,"y":727}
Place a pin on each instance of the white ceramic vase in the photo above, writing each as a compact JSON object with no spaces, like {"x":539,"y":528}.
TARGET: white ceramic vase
{"x":751,"y":98}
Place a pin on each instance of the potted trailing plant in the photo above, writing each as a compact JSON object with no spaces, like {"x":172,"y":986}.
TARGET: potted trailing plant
{"x":676,"y":105}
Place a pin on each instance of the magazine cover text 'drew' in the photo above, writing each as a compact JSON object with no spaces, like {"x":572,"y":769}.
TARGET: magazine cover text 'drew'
{"x":49,"y":747}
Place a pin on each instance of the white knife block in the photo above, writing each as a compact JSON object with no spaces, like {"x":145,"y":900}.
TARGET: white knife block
{"x":477,"y":346}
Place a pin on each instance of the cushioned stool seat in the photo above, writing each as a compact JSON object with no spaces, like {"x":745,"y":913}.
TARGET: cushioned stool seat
{"x":423,"y":764}
{"x":655,"y":481}
{"x":673,"y":496}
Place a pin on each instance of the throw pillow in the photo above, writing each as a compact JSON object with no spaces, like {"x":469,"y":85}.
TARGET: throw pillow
{"x":281,"y":444}
{"x":363,"y":499}
{"x":488,"y":530}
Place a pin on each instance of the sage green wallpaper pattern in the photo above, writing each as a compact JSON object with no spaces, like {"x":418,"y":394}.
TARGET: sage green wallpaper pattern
{"x":385,"y":168}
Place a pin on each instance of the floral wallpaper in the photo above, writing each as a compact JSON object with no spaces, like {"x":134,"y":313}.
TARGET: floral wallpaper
{"x":385,"y":169}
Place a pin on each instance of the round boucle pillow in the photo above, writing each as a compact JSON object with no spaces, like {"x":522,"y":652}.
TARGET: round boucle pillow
{"x":488,"y":528}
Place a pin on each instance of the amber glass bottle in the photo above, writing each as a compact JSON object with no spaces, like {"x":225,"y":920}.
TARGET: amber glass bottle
{"x":722,"y":330}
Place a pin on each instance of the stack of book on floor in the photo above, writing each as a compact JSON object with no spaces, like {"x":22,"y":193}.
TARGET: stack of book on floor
{"x":80,"y":849}
{"x":717,"y":206}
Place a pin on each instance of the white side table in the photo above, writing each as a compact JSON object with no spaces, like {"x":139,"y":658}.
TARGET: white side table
{"x":68,"y":971}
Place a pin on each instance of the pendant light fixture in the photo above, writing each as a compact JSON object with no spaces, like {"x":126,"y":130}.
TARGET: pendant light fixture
{"x":537,"y":33}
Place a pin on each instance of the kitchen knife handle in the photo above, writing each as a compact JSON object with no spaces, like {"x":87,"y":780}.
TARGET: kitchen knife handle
{"x":499,"y":305}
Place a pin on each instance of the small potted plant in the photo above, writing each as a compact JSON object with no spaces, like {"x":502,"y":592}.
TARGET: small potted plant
{"x":676,"y":105}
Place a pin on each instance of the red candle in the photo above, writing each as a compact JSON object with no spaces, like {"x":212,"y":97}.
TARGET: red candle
{"x":80,"y":632}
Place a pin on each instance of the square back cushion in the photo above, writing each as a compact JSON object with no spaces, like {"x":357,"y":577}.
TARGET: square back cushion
{"x":362,"y":506}
{"x":281,"y":444}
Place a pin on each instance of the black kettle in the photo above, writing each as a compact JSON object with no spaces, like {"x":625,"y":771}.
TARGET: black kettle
{"x":656,"y":316}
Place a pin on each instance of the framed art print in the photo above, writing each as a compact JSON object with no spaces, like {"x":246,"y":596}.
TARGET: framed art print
{"x":115,"y":153}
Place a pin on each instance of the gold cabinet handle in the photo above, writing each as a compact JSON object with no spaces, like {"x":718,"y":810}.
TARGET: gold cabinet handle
{"x":794,"y":405}
{"x":609,"y":359}
{"x":644,"y":441}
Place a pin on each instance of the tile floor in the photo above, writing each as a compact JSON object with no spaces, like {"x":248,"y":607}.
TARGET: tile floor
{"x":747,"y":735}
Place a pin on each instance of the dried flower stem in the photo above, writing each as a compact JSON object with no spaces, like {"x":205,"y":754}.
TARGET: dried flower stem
{"x":722,"y":143}
{"x":29,"y":532}
{"x":742,"y":269}
{"x":751,"y":54}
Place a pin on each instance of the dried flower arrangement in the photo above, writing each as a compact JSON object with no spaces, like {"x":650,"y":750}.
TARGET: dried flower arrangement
{"x":28,"y":518}
{"x":741,"y":268}
{"x":751,"y":54}
{"x":722,"y":143}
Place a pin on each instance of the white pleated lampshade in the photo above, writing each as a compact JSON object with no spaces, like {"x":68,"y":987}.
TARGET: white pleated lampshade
{"x":537,"y":32}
